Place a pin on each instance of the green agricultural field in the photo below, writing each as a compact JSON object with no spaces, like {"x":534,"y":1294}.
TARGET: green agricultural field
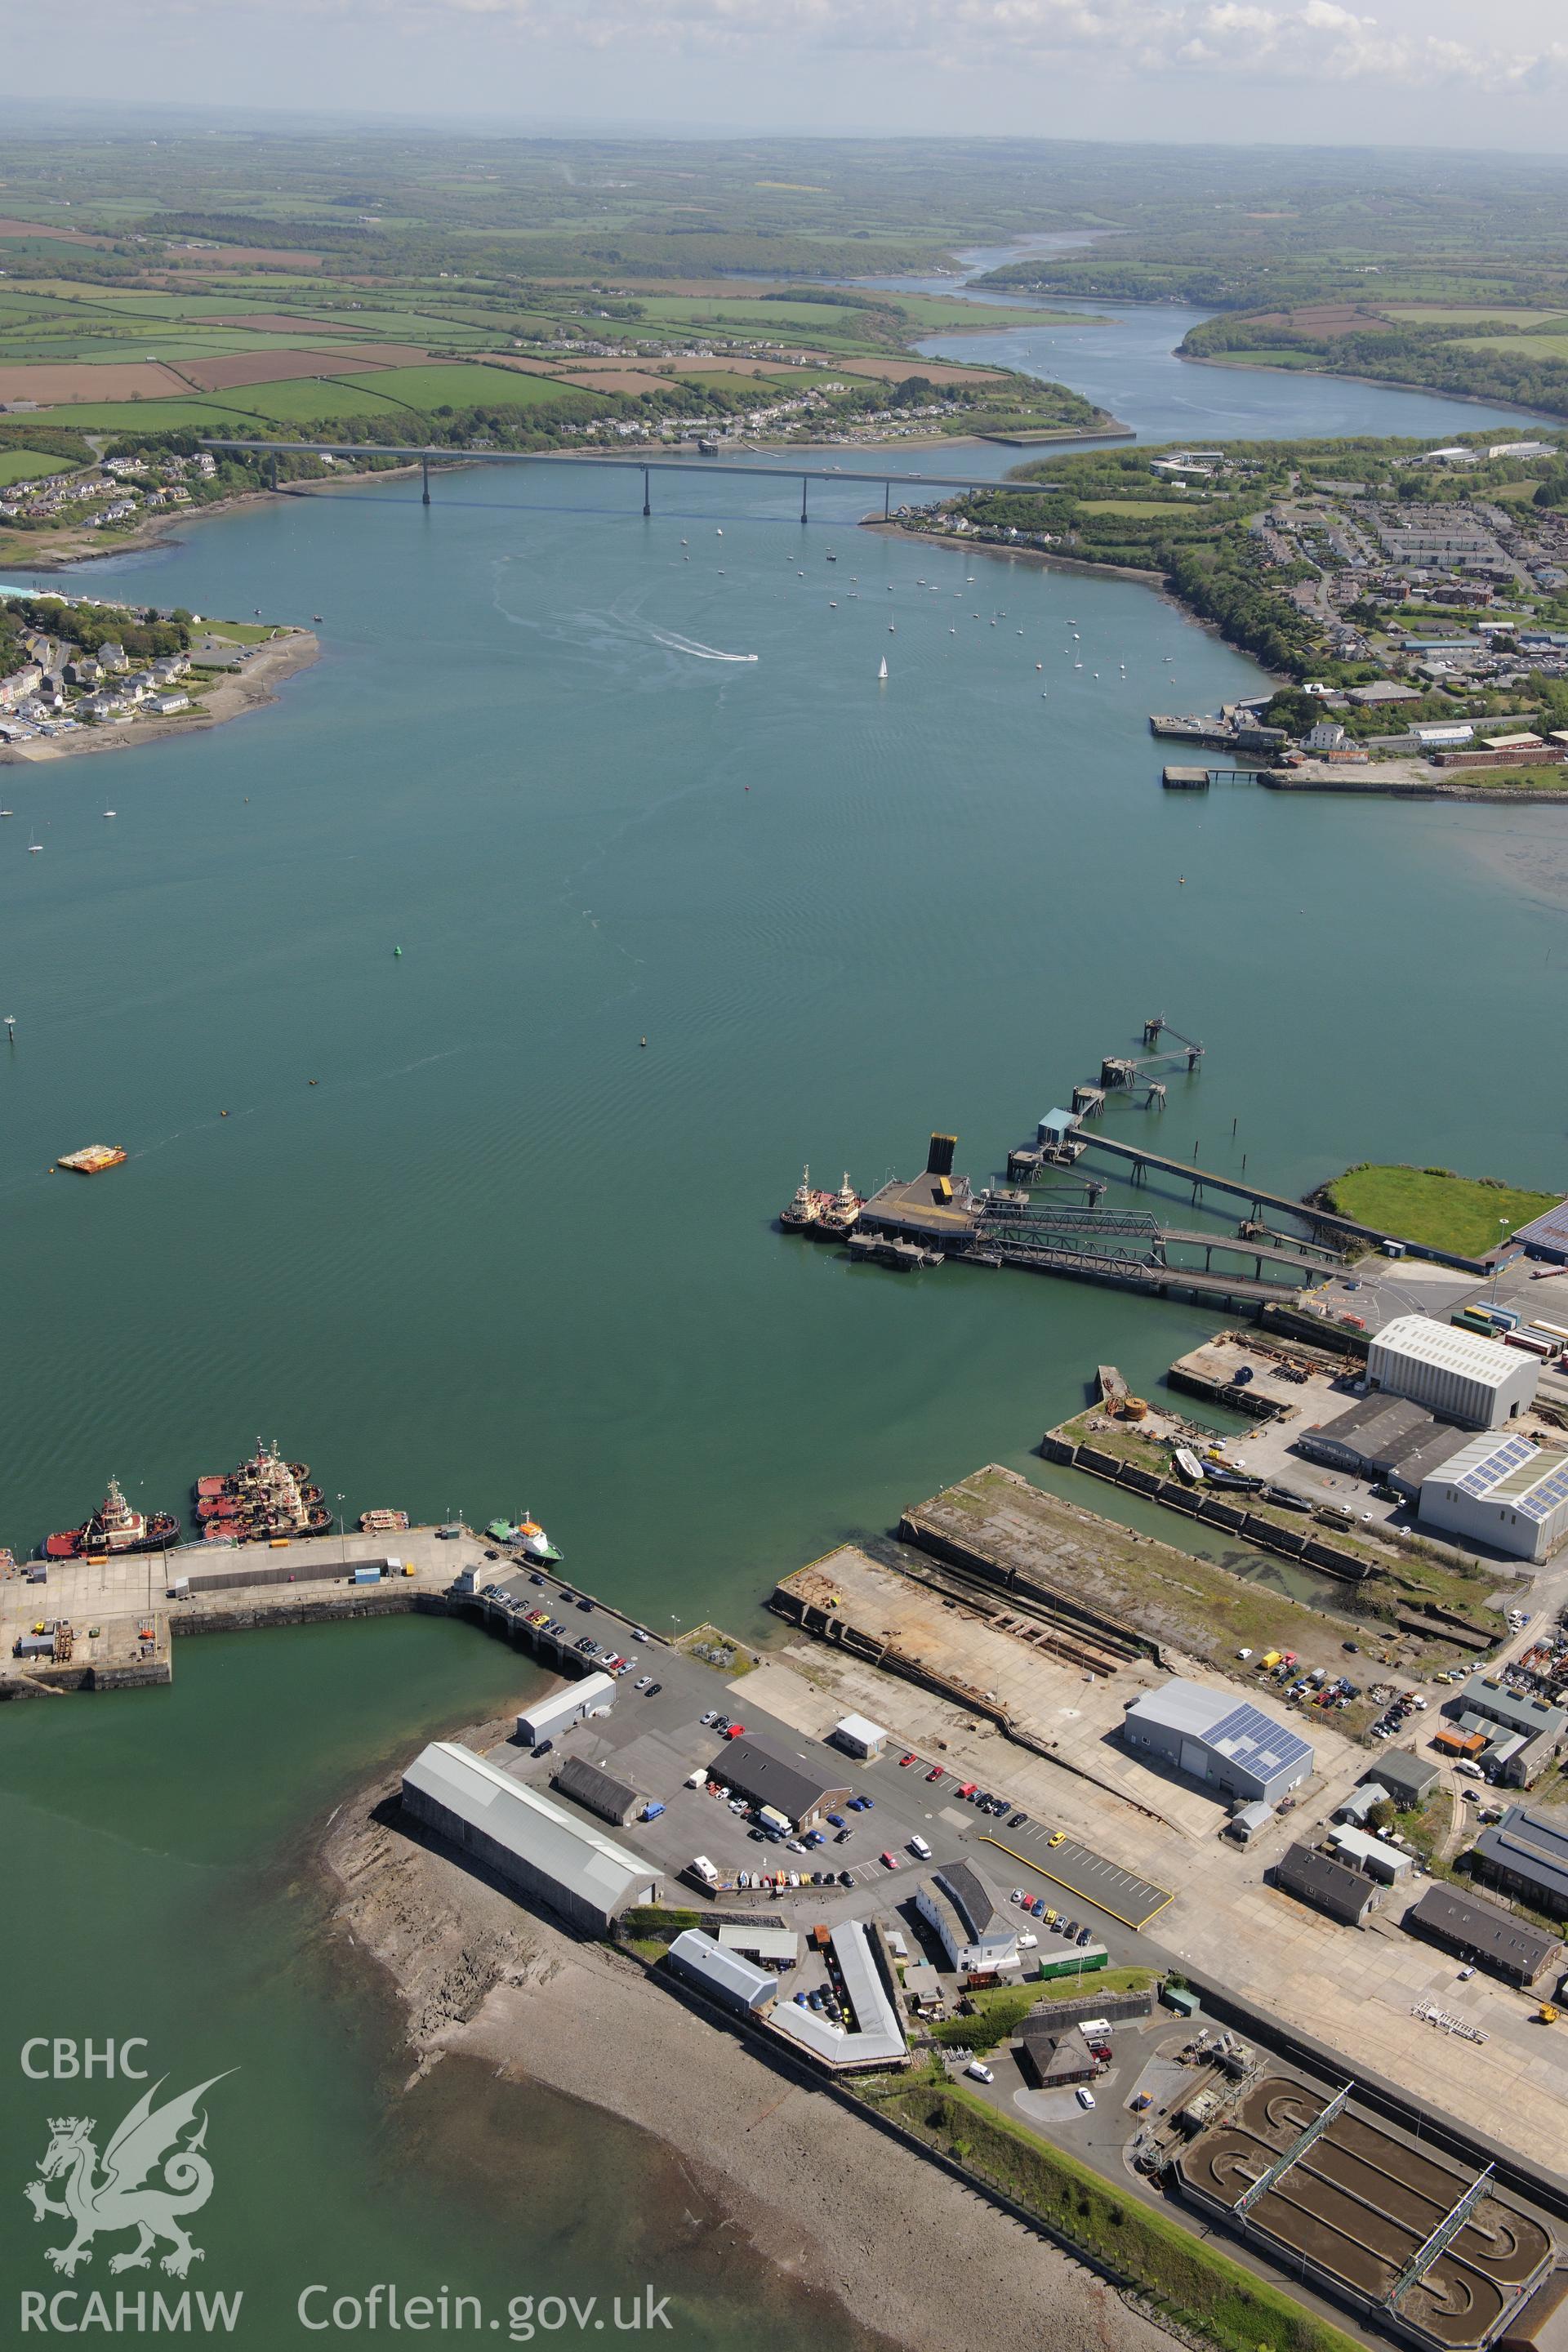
{"x":305,"y":400}
{"x":176,"y":415}
{"x":1535,"y":347}
{"x":1269,"y":359}
{"x":27,"y":465}
{"x":926,"y":313}
{"x":1422,"y":314}
{"x":1462,"y":1214}
{"x":455,"y":386}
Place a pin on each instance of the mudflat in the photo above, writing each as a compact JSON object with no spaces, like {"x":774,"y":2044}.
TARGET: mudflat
{"x":826,"y":2197}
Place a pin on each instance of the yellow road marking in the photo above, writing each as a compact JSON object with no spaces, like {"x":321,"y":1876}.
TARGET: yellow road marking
{"x":1166,"y":1894}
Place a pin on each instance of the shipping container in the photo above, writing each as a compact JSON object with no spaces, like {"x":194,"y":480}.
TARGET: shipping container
{"x":367,"y":1576}
{"x":1073,"y":1959}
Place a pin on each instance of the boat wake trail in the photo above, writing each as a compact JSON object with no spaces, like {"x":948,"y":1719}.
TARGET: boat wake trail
{"x":678,"y":645}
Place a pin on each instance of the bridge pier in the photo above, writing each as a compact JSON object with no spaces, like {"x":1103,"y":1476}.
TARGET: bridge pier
{"x":803,"y":482}
{"x":647,"y":501}
{"x":424,"y":481}
{"x":273,"y":470}
{"x":887,"y":501}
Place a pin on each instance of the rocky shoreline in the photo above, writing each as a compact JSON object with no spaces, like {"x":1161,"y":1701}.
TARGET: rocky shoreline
{"x":830,"y":2202}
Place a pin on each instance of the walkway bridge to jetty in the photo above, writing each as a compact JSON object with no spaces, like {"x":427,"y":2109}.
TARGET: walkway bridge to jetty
{"x":1322,"y":1222}
{"x":1126,"y":1246}
{"x":714,"y":468}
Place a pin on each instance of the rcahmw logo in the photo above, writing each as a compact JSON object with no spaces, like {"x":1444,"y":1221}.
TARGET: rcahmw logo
{"x":154,"y":2173}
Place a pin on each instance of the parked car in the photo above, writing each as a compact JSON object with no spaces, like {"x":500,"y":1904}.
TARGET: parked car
{"x":736,"y":1731}
{"x":907,"y":1760}
{"x":836,"y":1821}
{"x":1018,"y":1820}
{"x":653,"y":1690}
{"x":889,"y":1861}
{"x":1057,"y":1837}
{"x":935,"y":1772}
{"x":1084,"y":2095}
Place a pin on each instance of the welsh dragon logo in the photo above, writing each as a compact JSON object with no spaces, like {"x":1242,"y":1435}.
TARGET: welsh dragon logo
{"x":126,"y":2194}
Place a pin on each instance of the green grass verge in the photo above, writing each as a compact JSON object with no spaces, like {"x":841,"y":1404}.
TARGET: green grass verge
{"x":1195,"y":2279}
{"x":1467,"y":1215}
{"x":654,"y":1925}
{"x":999,"y":2012}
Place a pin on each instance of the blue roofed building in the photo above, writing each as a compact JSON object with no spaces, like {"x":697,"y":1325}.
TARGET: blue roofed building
{"x":1546,"y":1236}
{"x":1213,"y":1737}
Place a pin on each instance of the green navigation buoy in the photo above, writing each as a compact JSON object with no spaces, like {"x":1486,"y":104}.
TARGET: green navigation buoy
{"x":397,"y":952}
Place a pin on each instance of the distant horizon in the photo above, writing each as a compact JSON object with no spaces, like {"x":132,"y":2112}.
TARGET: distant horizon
{"x":42,"y":112}
{"x":1422,"y":75}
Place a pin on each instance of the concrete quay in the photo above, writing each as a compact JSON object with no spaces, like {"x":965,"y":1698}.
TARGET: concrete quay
{"x":106,"y":1602}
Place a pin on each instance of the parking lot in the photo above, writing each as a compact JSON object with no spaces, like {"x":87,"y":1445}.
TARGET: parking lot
{"x":656,"y":1738}
{"x":1128,"y":1899}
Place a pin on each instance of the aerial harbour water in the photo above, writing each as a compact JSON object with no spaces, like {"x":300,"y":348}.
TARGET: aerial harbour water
{"x":499,"y":1256}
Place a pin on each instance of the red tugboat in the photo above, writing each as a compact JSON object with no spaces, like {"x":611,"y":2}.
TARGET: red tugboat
{"x":842,"y":1213}
{"x":266,"y":1496}
{"x":114,"y":1528}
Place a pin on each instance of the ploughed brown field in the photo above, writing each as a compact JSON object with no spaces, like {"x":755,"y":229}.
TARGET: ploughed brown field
{"x":48,"y":228}
{"x":78,"y":380}
{"x":237,"y":368}
{"x":1324,"y":319}
{"x":610,"y":379}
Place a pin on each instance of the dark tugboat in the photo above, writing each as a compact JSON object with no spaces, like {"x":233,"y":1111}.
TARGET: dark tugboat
{"x":114,"y":1528}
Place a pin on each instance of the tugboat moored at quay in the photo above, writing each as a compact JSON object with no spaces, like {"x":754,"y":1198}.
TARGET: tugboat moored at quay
{"x":825,"y":1216}
{"x":265,"y":1496}
{"x":113,"y":1528}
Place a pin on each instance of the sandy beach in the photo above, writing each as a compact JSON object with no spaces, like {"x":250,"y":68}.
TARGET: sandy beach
{"x":250,"y":688}
{"x":825,"y":2199}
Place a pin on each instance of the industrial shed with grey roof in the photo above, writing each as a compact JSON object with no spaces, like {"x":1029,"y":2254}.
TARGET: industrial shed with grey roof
{"x":1328,"y":1885}
{"x":526,"y":1838}
{"x":1482,"y":1933}
{"x":767,"y":1773}
{"x":596,"y":1791}
{"x":1526,"y":1855}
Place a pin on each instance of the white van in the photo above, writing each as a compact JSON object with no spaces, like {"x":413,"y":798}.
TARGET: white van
{"x":918,"y":1846}
{"x":695,"y":1779}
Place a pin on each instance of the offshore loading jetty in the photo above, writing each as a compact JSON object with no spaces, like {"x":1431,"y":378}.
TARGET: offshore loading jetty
{"x":1047,"y":1218}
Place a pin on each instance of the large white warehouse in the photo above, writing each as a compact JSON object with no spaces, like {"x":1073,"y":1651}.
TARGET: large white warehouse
{"x":1501,"y":1490}
{"x":1452,"y":1371}
{"x":562,"y":1709}
{"x":526,"y":1838}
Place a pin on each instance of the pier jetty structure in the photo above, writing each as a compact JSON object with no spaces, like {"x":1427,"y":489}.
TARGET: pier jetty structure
{"x":926,"y":1220}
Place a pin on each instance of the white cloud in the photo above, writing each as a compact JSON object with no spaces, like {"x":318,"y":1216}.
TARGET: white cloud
{"x":1315,"y":41}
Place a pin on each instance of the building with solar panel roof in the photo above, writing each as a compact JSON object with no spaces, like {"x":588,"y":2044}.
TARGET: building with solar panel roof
{"x":1504,"y":1491}
{"x":1213,"y":1737}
